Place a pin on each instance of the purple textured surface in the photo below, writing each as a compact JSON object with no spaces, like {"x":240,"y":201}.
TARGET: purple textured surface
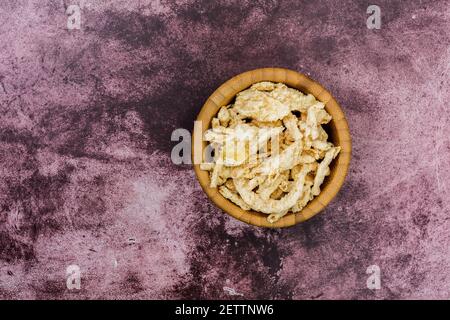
{"x":85,"y":124}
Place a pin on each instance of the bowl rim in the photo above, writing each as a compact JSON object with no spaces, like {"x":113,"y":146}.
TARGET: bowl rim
{"x":332,"y":184}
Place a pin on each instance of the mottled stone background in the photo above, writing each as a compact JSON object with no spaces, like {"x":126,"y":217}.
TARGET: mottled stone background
{"x":85,"y":124}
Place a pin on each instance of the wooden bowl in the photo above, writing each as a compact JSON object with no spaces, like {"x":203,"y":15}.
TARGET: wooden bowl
{"x":337,"y":129}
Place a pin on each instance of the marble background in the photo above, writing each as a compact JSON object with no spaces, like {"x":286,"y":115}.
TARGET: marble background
{"x":86,"y":177}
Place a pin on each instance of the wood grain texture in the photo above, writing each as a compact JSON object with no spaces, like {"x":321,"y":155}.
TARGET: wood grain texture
{"x":338,"y":131}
